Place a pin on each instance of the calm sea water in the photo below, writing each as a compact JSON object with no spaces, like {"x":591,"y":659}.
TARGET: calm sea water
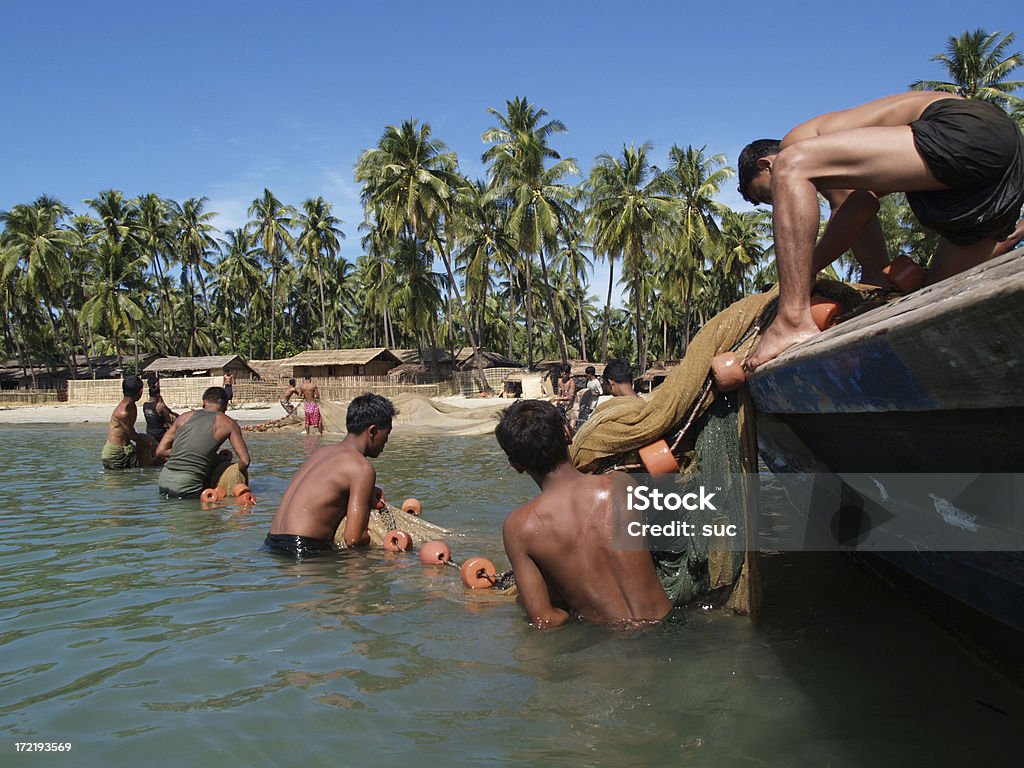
{"x":153,"y":632}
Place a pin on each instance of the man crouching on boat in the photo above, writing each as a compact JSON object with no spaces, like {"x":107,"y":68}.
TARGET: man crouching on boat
{"x":560,"y":544}
{"x":335,"y":483}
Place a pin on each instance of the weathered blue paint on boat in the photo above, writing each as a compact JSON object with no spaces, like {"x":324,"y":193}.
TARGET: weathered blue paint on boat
{"x":931,"y":383}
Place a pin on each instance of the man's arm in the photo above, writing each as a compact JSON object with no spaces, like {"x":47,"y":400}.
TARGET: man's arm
{"x":533,"y":590}
{"x":238,"y":443}
{"x":131,"y":415}
{"x":357,"y":516}
{"x":853,"y":224}
{"x":163,"y":451}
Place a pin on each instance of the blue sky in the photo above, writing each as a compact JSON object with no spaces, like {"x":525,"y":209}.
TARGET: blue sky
{"x":222,"y":99}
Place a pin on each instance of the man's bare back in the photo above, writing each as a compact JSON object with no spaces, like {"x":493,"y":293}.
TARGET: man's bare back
{"x":336,"y":482}
{"x":121,"y":426}
{"x":564,"y":539}
{"x":309,"y":391}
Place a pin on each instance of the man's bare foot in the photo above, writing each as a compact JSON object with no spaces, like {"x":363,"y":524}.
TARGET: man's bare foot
{"x":777,"y":339}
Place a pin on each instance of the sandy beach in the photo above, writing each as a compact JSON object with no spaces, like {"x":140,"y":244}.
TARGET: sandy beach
{"x":249,"y":413}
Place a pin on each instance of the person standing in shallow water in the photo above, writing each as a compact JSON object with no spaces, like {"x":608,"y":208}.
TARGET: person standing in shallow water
{"x":191,"y":448}
{"x":118,"y":451}
{"x":286,"y":397}
{"x":560,"y":544}
{"x":157,"y":414}
{"x":960,"y":162}
{"x":311,"y":405}
{"x":336,"y":483}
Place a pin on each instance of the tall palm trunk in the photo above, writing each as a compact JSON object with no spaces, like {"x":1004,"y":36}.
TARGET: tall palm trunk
{"x":323,"y":303}
{"x":583,"y":333}
{"x":608,"y":310}
{"x":462,"y":309}
{"x":529,"y":313}
{"x":556,"y":320}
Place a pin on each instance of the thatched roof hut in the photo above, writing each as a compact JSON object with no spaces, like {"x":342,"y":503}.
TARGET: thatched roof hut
{"x":210,"y":365}
{"x":465,"y":360}
{"x":336,"y":363}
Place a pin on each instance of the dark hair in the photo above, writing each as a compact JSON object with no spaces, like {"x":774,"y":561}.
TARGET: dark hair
{"x":532,"y":435}
{"x":307,"y":377}
{"x":292,"y":382}
{"x":154,"y":389}
{"x":619,"y":371}
{"x":566,"y":369}
{"x":369,"y":410}
{"x":216,"y":395}
{"x":131,"y":386}
{"x":747,"y":163}
{"x":590,"y":370}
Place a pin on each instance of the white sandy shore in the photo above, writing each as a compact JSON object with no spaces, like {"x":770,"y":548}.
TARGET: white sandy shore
{"x":255,"y":412}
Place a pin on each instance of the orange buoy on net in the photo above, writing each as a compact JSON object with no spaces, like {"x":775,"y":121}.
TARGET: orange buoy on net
{"x":905,"y":273}
{"x":412,"y":506}
{"x":379,"y":501}
{"x":221,"y":493}
{"x":435,"y":553}
{"x":658,"y":459}
{"x":246,"y":499}
{"x":825,"y":312}
{"x":479,"y":573}
{"x":727,"y":372}
{"x":208,"y":494}
{"x":239,"y":489}
{"x":397,"y":541}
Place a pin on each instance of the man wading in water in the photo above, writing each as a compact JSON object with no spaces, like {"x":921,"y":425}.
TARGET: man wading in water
{"x":560,"y":544}
{"x":336,"y":483}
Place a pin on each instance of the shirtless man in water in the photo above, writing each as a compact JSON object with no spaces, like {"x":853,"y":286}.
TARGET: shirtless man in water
{"x":960,"y":161}
{"x":118,"y":451}
{"x":560,"y":544}
{"x":286,"y":397}
{"x":336,"y":483}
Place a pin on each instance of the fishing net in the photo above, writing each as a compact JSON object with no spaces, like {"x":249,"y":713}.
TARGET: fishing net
{"x":715,"y":440}
{"x":390,"y":518}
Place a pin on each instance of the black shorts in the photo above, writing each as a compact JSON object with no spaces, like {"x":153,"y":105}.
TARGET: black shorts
{"x":296,"y":546}
{"x":976,"y":150}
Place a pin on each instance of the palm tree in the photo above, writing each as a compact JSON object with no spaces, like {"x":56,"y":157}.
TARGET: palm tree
{"x":32,"y":250}
{"x":194,"y":241}
{"x":273,"y":222}
{"x":240,"y":277}
{"x":486,"y":241}
{"x":154,"y":238}
{"x":743,"y":238}
{"x":113,"y":308}
{"x":978,"y":64}
{"x":319,"y":239}
{"x":409,"y":182}
{"x":694,"y":179}
{"x":627,"y":213}
{"x":537,"y":198}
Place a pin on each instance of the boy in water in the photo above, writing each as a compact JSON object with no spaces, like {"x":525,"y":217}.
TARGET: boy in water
{"x":560,"y":544}
{"x":960,"y":161}
{"x":191,"y":448}
{"x":118,"y":451}
{"x":336,"y":483}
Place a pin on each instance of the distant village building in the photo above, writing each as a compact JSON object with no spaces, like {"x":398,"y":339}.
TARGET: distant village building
{"x":417,"y":366}
{"x":466,"y":360}
{"x":15,"y":376}
{"x":212,"y":365}
{"x":341,"y":363}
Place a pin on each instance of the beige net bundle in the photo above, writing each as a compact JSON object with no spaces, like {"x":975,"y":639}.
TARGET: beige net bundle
{"x":390,"y":518}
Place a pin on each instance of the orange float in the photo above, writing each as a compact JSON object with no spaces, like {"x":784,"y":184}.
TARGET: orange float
{"x":727,"y":372}
{"x":479,"y":573}
{"x":658,"y":459}
{"x":208,"y":494}
{"x":378,"y":494}
{"x":825,"y":312}
{"x":412,"y":506}
{"x":239,"y":489}
{"x":435,"y":553}
{"x":905,"y":274}
{"x":221,"y":493}
{"x":397,"y":541}
{"x":246,"y":499}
